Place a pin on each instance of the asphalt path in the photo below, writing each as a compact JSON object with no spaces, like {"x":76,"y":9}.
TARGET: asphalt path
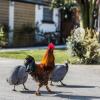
{"x":82,"y":83}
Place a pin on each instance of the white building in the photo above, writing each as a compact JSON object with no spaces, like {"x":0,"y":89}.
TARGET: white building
{"x":34,"y":13}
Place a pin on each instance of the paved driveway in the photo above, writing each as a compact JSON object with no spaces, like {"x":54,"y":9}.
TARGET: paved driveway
{"x":82,"y":83}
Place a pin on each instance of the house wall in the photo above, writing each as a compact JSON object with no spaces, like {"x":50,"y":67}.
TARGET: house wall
{"x":16,"y":14}
{"x":46,"y":27}
{"x":4,"y":11}
{"x":24,"y":14}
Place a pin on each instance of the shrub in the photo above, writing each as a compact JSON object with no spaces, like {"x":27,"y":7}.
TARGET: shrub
{"x":3,"y":36}
{"x":26,"y":29}
{"x":84,"y":45}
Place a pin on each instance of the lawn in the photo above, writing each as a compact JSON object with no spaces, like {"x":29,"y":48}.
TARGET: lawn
{"x":60,"y":55}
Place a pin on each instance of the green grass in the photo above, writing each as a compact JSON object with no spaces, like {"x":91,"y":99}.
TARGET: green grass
{"x":60,"y":55}
{"x":37,"y":54}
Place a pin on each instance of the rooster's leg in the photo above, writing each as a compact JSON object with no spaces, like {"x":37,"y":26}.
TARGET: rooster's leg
{"x":38,"y":90}
{"x":48,"y":89}
{"x":51,"y":83}
{"x":25,"y":87}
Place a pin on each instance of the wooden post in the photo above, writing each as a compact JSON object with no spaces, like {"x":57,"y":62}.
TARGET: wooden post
{"x":11,"y":23}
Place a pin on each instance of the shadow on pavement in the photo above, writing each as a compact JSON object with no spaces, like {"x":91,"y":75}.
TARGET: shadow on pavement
{"x":28,"y":92}
{"x":42,"y":92}
{"x":76,"y":86}
{"x":77,"y":97}
{"x":64,"y":96}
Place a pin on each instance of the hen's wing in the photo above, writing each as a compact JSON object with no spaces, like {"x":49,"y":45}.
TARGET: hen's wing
{"x":17,"y":76}
{"x":13,"y":77}
{"x":22,"y":75}
{"x":58,"y":73}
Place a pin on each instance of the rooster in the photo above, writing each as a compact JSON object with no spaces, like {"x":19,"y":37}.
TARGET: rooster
{"x":41,"y":72}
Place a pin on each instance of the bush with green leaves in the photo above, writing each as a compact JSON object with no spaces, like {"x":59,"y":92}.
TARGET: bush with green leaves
{"x":84,"y":45}
{"x":3,"y":39}
{"x":26,"y":29}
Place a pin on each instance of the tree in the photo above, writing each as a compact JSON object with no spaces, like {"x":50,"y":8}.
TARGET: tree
{"x":87,"y":10}
{"x":86,"y":6}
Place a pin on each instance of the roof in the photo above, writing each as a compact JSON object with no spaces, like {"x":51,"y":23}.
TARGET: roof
{"x":39,"y":2}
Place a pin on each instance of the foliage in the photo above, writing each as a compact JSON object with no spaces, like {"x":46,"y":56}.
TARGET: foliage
{"x":87,"y":12}
{"x":26,"y":29}
{"x":60,"y":3}
{"x":66,"y":7}
{"x":3,"y":36}
{"x":87,"y":8}
{"x":84,"y":45}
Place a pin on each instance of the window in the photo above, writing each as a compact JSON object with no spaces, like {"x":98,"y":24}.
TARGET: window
{"x":47,"y":15}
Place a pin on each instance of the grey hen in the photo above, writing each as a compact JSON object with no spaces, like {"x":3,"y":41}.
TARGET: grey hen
{"x":59,"y":73}
{"x":18,"y":76}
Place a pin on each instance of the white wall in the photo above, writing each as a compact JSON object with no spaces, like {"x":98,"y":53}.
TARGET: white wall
{"x":11,"y":23}
{"x":46,"y":27}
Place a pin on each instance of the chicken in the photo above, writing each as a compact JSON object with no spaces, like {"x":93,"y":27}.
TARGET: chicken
{"x":18,"y":76}
{"x":59,"y":73}
{"x":41,"y":72}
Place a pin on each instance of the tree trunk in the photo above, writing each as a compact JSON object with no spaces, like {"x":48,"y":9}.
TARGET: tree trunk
{"x":99,"y":19}
{"x":87,"y":12}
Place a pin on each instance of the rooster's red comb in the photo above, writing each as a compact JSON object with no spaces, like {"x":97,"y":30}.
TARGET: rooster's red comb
{"x":51,"y":46}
